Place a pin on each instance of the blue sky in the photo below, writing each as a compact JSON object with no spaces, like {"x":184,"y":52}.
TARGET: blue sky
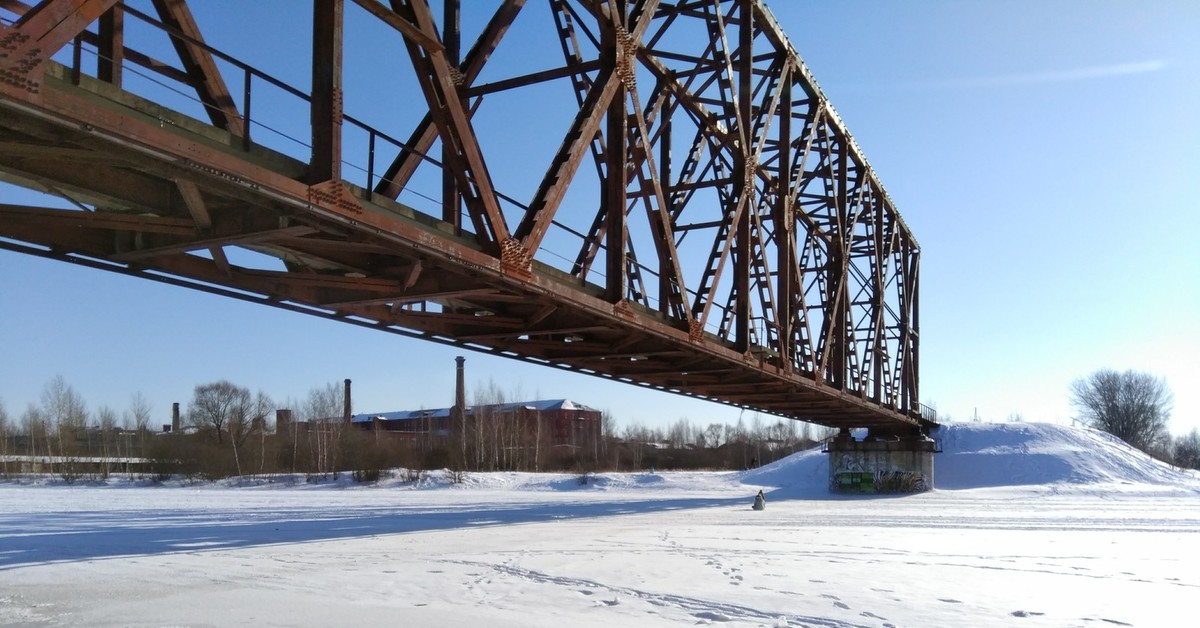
{"x":1043,"y":153}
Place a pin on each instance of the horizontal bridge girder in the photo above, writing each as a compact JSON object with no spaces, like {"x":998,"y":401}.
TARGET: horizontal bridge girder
{"x":749,"y":255}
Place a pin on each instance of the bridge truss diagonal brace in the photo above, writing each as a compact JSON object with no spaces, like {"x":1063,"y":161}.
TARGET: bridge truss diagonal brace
{"x":397,"y":175}
{"x":598,"y":102}
{"x":200,"y":66}
{"x":440,"y":81}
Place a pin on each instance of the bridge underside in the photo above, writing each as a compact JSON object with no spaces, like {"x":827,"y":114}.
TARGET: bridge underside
{"x":166,"y":197}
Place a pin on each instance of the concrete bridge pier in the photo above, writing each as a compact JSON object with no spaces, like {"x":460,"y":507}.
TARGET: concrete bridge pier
{"x":882,"y":462}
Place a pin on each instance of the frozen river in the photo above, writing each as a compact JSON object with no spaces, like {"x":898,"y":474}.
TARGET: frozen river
{"x":665,"y":549}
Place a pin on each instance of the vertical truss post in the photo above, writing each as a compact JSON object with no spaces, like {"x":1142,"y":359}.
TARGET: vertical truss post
{"x":664,"y":177}
{"x":326,"y":108}
{"x":743,"y":177}
{"x":452,"y":40}
{"x":614,"y":195}
{"x":838,"y":296}
{"x":912,"y":327}
{"x":880,"y":254}
{"x":111,"y":47}
{"x":785,"y":233}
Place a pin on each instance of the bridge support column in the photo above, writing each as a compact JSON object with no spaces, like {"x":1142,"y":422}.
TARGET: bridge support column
{"x":876,"y":464}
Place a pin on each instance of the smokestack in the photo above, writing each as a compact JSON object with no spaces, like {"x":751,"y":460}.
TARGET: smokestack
{"x":283,"y":420}
{"x":346,"y":402}
{"x":175,"y":417}
{"x":460,"y":389}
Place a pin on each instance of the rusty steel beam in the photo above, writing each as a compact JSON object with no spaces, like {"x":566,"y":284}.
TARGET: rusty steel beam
{"x":40,"y":33}
{"x":326,"y":163}
{"x":396,"y":177}
{"x":110,"y":53}
{"x":616,"y":182}
{"x":804,"y":303}
{"x":546,"y":201}
{"x":453,"y":120}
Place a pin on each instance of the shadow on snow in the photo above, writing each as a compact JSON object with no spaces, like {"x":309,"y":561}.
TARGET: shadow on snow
{"x":56,"y":537}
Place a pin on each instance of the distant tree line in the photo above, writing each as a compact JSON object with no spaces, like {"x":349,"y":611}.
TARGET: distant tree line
{"x":231,"y":431}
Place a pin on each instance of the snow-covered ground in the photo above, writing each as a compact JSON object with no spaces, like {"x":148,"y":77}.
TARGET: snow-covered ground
{"x":1031,"y":525}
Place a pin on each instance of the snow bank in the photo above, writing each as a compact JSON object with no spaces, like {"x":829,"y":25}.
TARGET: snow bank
{"x":993,"y":455}
{"x":978,"y":455}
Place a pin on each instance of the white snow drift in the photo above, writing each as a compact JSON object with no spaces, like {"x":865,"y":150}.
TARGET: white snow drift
{"x":1031,"y":525}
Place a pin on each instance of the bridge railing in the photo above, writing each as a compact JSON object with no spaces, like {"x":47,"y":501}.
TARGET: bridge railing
{"x":161,"y":82}
{"x":843,"y":317}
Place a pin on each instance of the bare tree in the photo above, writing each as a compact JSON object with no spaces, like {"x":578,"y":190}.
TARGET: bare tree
{"x":1187,"y":450}
{"x":139,"y":411}
{"x":5,"y":434}
{"x":37,"y":428}
{"x":637,"y":438}
{"x":323,"y":409}
{"x":224,"y":408}
{"x":1132,"y":406}
{"x":608,"y":432}
{"x":247,"y":423}
{"x":712,"y":435}
{"x":490,"y":427}
{"x":214,"y":406}
{"x":63,"y":406}
{"x":66,"y":413}
{"x":106,"y":417}
{"x":681,"y":433}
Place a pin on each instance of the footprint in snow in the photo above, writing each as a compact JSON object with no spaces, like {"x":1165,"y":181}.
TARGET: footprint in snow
{"x":842,"y":605}
{"x":712,"y":616}
{"x":949,"y":600}
{"x":1026,"y":614}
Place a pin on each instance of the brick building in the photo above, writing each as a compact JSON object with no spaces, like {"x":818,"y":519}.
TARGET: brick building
{"x":557,"y":422}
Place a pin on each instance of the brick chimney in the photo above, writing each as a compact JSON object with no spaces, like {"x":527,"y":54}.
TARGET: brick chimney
{"x":346,"y":404}
{"x":460,"y":389}
{"x":175,"y":417}
{"x":283,"y":420}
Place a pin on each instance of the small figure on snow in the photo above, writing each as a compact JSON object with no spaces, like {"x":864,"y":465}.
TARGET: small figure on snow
{"x":760,"y":502}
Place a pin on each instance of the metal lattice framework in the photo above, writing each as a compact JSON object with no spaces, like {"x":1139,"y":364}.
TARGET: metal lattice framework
{"x":704,"y":224}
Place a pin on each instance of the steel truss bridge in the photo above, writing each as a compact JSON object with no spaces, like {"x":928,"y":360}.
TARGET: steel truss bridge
{"x":648,"y":191}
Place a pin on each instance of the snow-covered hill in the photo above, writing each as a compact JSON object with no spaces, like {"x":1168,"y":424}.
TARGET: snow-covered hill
{"x":979,"y":455}
{"x":993,"y":455}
